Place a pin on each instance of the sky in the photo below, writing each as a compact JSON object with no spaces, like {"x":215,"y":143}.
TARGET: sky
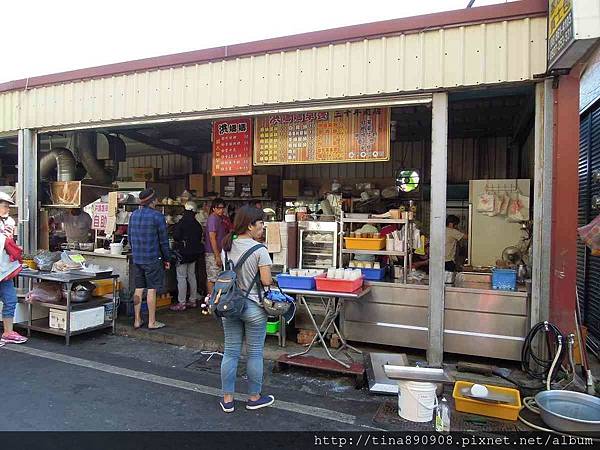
{"x":40,"y":37}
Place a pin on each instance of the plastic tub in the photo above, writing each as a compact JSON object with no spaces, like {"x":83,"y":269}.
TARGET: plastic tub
{"x":504,"y":279}
{"x":289,"y":282}
{"x":116,"y":249}
{"x":365,"y":243}
{"x":373,"y":274}
{"x":499,"y":410}
{"x":272,"y":327}
{"x":335,"y":285}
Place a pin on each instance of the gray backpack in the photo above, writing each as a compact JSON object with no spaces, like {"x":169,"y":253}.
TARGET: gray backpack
{"x":227,"y":299}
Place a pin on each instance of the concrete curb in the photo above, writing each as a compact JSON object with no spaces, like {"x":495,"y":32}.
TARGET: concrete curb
{"x":271,"y":352}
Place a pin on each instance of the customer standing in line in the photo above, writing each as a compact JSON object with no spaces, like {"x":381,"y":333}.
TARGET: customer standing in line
{"x":151,"y":255}
{"x":248,"y":229}
{"x":8,"y":293}
{"x":213,"y":237}
{"x":187,"y":234}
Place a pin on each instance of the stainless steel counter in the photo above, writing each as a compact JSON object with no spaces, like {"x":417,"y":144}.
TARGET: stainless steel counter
{"x":104,"y":255}
{"x":477,"y":321}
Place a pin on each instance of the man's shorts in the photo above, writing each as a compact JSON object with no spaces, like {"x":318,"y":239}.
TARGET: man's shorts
{"x":212,"y":269}
{"x":150,"y":276}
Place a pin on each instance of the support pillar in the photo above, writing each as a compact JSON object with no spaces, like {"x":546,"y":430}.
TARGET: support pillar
{"x":542,"y":203}
{"x":437,"y":228}
{"x":27,"y":192}
{"x":563,"y":263}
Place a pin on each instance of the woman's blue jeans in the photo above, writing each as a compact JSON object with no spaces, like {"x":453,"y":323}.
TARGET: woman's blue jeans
{"x":253,"y":324}
{"x":8,"y":296}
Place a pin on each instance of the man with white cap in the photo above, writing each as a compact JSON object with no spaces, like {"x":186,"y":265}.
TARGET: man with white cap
{"x":188,"y":240}
{"x":9,"y":266}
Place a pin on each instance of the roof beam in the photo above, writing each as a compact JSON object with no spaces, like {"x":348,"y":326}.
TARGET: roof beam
{"x":157,"y":143}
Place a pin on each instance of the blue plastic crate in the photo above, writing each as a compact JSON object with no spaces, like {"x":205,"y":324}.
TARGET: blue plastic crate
{"x":289,"y":282}
{"x":504,"y":279}
{"x":373,"y":274}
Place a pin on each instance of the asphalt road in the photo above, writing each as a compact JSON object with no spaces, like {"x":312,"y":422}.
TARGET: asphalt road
{"x":110,"y":383}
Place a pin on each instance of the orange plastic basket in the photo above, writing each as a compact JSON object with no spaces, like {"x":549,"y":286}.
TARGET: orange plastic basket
{"x":365,"y":243}
{"x":506,"y":411}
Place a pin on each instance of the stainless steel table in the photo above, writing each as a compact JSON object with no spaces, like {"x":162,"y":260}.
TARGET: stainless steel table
{"x":68,"y":279}
{"x":333,"y":303}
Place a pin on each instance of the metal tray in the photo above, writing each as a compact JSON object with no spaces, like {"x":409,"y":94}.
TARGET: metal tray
{"x":569,"y":411}
{"x":425,"y":374}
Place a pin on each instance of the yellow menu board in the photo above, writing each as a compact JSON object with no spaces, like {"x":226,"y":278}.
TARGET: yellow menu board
{"x":352,"y":135}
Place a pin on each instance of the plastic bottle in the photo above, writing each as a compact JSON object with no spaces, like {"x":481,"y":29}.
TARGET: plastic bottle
{"x":442,"y":417}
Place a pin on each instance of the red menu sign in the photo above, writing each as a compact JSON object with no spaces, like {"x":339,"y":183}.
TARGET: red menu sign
{"x":232,"y":147}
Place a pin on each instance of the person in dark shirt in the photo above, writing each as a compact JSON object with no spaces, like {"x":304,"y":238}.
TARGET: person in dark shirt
{"x":188,"y":239}
{"x":151,"y":255}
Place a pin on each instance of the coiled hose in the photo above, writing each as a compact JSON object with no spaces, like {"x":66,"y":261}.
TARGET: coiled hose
{"x":547,"y":366}
{"x":547,"y":371}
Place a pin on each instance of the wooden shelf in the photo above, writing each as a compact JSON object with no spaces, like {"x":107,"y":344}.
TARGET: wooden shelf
{"x":377,"y":221}
{"x":93,"y":303}
{"x":373,"y":252}
{"x":43,"y":326}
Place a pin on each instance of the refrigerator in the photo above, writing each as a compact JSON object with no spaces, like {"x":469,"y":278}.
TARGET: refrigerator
{"x":490,"y":235}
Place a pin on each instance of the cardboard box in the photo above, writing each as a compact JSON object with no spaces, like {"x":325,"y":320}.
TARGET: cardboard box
{"x":80,"y":320}
{"x":144,"y":174}
{"x":162,"y":189}
{"x":198,"y":184}
{"x":265,"y":186}
{"x":291,"y":188}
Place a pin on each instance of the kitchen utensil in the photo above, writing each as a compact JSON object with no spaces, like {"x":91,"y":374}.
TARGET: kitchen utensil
{"x":488,"y":398}
{"x":569,"y":411}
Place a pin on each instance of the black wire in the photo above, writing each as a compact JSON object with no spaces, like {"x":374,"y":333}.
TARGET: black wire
{"x":552,"y":334}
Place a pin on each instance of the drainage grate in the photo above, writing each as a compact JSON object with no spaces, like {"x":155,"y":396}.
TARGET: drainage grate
{"x":387,"y":414}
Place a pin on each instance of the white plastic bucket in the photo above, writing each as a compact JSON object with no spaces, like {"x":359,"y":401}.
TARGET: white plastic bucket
{"x":116,"y":249}
{"x":416,"y":400}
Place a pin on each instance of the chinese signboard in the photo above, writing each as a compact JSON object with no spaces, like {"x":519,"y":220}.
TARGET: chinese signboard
{"x":232,"y":147}
{"x":357,"y":135}
{"x":100,"y":216}
{"x":560,"y":29}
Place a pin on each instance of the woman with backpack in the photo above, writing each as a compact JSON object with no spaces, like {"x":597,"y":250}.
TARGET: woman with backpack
{"x":242,"y":241}
{"x":187,"y":234}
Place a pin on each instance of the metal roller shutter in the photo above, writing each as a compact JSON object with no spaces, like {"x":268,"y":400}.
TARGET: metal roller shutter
{"x":588,"y":267}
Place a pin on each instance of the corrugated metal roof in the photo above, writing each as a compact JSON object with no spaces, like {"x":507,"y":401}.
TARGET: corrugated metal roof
{"x":469,"y":55}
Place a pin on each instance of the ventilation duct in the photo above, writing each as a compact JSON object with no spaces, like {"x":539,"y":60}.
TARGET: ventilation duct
{"x":86,"y":146}
{"x":63,"y":160}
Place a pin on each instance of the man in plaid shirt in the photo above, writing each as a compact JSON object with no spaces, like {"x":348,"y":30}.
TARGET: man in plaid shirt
{"x":151,"y":255}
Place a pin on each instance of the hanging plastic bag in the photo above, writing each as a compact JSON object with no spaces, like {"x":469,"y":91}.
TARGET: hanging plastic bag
{"x":498,"y":200}
{"x":590,"y":235}
{"x":504,"y":204}
{"x":485,"y":203}
{"x":517,"y":211}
